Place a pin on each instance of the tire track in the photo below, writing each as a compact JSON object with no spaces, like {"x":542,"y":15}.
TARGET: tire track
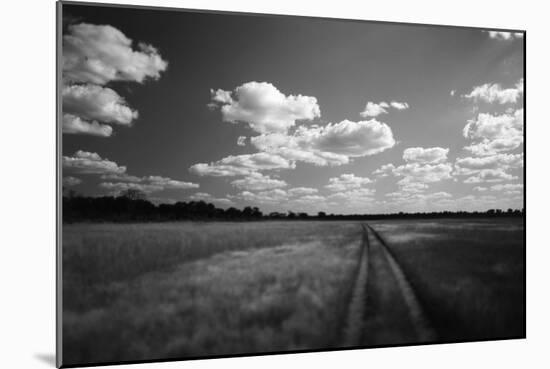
{"x":424,"y":330}
{"x":356,"y":309}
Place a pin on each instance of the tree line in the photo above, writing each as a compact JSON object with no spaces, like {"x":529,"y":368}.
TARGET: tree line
{"x":132,"y":206}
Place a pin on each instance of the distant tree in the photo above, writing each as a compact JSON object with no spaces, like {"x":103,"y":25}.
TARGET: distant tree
{"x":133,"y":194}
{"x":303,"y":215}
{"x":291,"y":215}
{"x":321,"y":214}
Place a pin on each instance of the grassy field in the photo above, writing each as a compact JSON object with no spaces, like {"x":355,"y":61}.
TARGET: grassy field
{"x":146,"y":291}
{"x":162,"y":290}
{"x":469,"y":274}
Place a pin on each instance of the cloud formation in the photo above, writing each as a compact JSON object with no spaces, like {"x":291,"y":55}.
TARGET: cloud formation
{"x":430,"y":155}
{"x":258,"y":182}
{"x":494,"y":93}
{"x":263,"y":107}
{"x":346,"y":182}
{"x":236,"y":165}
{"x":100,"y":54}
{"x":494,"y":134}
{"x":72,"y":124}
{"x":92,"y":102}
{"x":84,"y":162}
{"x":91,"y":163}
{"x":375,"y":109}
{"x":333,"y":144}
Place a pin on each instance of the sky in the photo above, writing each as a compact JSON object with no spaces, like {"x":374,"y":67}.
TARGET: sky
{"x":291,"y":113}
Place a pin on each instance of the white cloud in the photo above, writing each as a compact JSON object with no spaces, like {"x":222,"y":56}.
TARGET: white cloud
{"x":333,"y":144}
{"x":406,"y":186}
{"x":354,"y":197}
{"x":72,"y":124}
{"x":148,"y":184}
{"x":495,"y":133}
{"x":493,"y":92}
{"x":346,"y":182}
{"x":272,"y":197}
{"x":241,"y":141}
{"x":480,"y":189}
{"x":399,"y":105}
{"x":90,"y":163}
{"x":424,"y":173}
{"x":92,"y":102}
{"x":430,"y":155}
{"x":384,"y":171}
{"x":490,"y":175}
{"x":84,"y":162}
{"x":302,"y":191}
{"x":374,"y":110}
{"x":471,"y":165}
{"x":101,"y":53}
{"x":118,"y":187}
{"x":452,"y":93}
{"x":264,"y":108}
{"x":242,"y":165}
{"x":258,"y":182}
{"x":71,"y":181}
{"x":168,"y":183}
{"x":507,"y":187}
{"x":506,"y":36}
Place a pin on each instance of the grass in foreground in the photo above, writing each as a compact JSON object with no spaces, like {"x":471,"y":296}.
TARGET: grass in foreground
{"x":176,"y":290}
{"x":469,"y":274}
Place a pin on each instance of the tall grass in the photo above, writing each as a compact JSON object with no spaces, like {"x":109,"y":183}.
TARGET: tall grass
{"x":468,"y":274}
{"x":173,"y":290}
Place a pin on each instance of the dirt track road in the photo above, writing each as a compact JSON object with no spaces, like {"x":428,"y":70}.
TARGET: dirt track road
{"x":384,"y":308}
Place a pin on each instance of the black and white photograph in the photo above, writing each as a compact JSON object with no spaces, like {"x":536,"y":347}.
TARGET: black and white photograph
{"x":234,"y":184}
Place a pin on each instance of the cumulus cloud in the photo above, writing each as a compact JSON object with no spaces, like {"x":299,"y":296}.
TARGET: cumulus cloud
{"x":148,"y":184}
{"x":399,"y":105}
{"x":272,"y":197}
{"x":430,"y":155}
{"x":99,"y":54}
{"x":302,"y":191}
{"x":333,"y":144}
{"x":493,"y":92}
{"x":92,"y":102}
{"x":375,"y":109}
{"x":71,"y":181}
{"x":490,"y":175}
{"x":241,"y":165}
{"x":507,"y":187}
{"x":85,"y":162}
{"x":494,"y":133}
{"x":472,"y":165}
{"x":258,"y":182}
{"x":354,"y":198}
{"x":72,"y":124}
{"x":504,"y":36}
{"x":263,"y":107}
{"x":384,"y":171}
{"x":346,"y":182}
{"x":424,"y":173}
{"x":91,"y":163}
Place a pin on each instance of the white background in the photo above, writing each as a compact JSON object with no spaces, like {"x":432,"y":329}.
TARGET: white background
{"x":27,"y":183}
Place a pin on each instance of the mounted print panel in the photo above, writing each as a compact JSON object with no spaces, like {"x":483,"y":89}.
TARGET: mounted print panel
{"x":243,"y":184}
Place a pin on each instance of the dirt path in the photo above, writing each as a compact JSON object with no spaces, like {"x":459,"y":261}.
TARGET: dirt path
{"x":384,"y":308}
